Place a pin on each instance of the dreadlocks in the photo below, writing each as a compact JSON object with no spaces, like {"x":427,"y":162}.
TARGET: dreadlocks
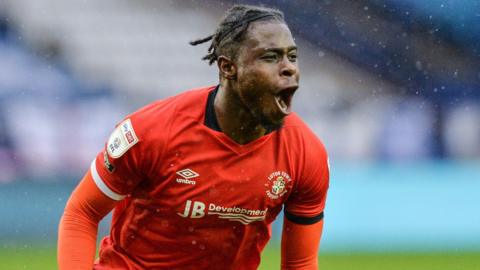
{"x":232,"y":28}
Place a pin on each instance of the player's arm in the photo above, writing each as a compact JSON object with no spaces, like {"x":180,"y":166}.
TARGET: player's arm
{"x":300,"y":241}
{"x":303,"y":212}
{"x":303,"y":224}
{"x":114,"y":173}
{"x":77,"y":232}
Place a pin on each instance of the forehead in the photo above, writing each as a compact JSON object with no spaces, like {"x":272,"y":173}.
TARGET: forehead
{"x":269,"y":34}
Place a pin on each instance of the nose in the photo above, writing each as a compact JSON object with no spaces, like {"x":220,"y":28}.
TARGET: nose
{"x":288,"y":68}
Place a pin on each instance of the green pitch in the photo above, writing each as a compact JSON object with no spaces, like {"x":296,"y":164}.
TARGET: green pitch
{"x":44,"y":258}
{"x":385,"y":261}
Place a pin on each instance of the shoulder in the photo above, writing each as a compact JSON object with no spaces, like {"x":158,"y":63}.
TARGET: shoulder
{"x":190,"y":99}
{"x":312,"y":172}
{"x":299,"y":135}
{"x":144,"y":134}
{"x":159,"y":114}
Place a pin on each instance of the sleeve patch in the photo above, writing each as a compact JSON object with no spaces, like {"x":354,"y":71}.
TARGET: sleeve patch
{"x":102,"y":186}
{"x":107,"y":164}
{"x":122,"y":139}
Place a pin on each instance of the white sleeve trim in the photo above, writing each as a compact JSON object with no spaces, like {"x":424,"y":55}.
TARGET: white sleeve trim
{"x":101,"y":184}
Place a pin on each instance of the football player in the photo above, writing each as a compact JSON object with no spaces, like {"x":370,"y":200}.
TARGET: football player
{"x":195,"y":180}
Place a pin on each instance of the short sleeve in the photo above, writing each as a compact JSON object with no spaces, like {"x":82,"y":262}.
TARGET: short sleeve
{"x":307,"y":202}
{"x":117,"y":169}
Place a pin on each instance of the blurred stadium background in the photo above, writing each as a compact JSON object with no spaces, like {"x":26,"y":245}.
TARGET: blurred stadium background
{"x":391,"y":86}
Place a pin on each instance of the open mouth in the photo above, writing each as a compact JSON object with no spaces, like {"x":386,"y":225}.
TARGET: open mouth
{"x":284,"y":99}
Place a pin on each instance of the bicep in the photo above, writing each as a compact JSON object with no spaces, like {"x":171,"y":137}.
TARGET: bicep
{"x":300,"y":243}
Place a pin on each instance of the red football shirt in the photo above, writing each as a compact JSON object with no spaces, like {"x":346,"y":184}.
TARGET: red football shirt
{"x":192,"y":198}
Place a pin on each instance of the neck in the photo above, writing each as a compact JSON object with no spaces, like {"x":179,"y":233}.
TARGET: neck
{"x":235,"y":120}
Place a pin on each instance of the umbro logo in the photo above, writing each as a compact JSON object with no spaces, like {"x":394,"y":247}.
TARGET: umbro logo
{"x":187,"y":175}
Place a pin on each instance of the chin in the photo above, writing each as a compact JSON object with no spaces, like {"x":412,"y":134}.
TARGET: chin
{"x":271,"y":125}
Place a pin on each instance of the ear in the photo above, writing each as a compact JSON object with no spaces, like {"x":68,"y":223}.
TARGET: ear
{"x":227,"y":67}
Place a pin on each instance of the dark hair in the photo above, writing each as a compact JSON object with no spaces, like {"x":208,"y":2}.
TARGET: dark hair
{"x":232,"y":29}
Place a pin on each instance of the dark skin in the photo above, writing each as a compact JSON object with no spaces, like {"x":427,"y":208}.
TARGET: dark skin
{"x":257,"y":86}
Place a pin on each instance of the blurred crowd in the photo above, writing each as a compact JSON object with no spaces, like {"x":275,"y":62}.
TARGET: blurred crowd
{"x":421,"y":101}
{"x":47,"y":128}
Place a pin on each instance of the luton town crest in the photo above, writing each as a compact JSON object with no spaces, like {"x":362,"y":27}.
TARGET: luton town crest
{"x":277,"y":184}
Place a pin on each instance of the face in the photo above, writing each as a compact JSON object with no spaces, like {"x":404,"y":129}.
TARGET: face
{"x":267,"y":72}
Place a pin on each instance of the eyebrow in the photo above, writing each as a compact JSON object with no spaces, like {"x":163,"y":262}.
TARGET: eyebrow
{"x":277,"y":49}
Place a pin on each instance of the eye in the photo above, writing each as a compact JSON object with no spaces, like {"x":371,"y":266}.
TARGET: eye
{"x":270,"y":57}
{"x":292,"y":57}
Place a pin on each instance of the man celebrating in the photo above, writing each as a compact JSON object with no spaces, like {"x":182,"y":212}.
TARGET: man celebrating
{"x":196,"y":180}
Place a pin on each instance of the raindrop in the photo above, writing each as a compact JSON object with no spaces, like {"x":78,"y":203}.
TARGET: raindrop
{"x":202,"y":247}
{"x":191,"y":228}
{"x":321,"y":54}
{"x":194,"y":242}
{"x":418,"y":65}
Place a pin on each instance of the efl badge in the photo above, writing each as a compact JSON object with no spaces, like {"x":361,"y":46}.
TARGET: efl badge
{"x":278,"y":184}
{"x":122,"y":139}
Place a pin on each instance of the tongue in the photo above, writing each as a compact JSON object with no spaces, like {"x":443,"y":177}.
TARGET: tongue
{"x":282,"y":105}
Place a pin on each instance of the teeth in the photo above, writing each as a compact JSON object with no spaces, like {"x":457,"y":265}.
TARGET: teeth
{"x":281,"y":104}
